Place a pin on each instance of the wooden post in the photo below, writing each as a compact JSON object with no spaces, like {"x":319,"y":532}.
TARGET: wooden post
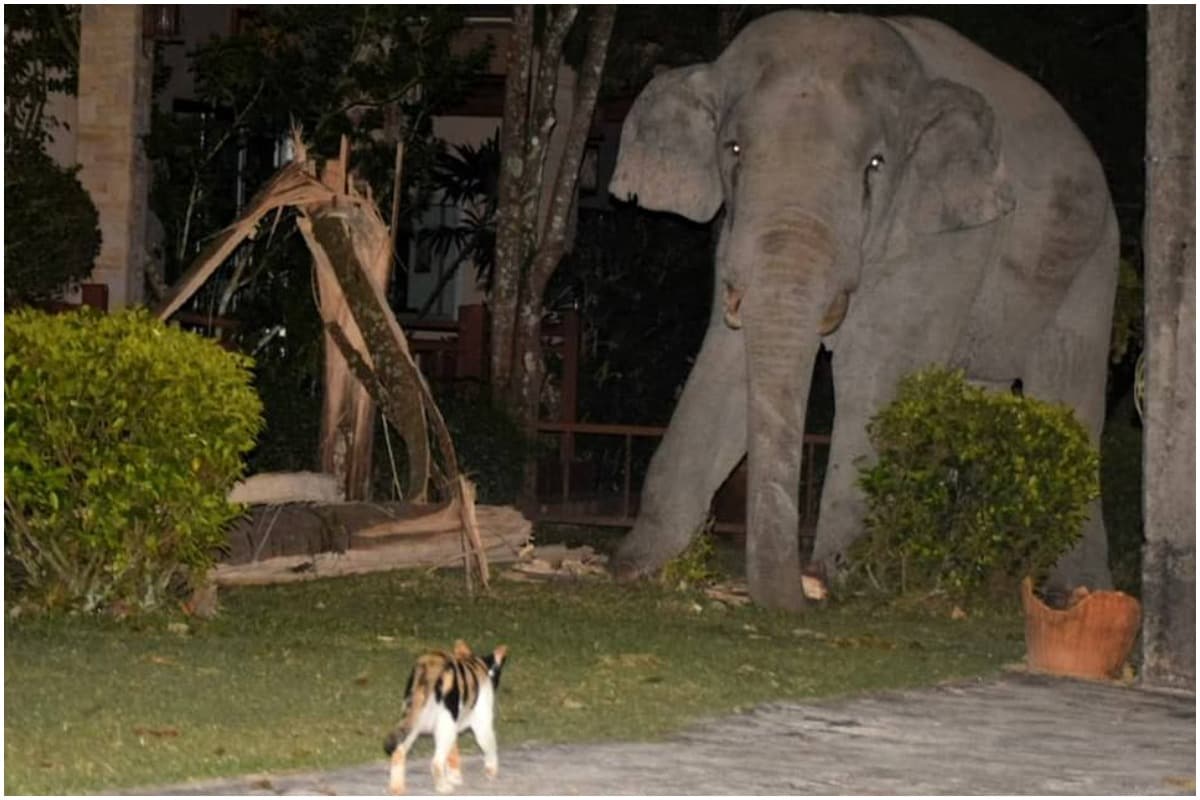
{"x":570,"y":380}
{"x":1169,"y":459}
{"x":472,"y":356}
{"x":94,"y":295}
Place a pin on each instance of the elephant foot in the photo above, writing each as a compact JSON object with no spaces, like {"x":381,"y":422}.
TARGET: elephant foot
{"x":646,"y":549}
{"x":630,"y":564}
{"x":779,"y":599}
{"x":625,"y":570}
{"x":782,"y":591}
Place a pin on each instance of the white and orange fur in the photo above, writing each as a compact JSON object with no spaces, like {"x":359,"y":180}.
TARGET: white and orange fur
{"x":446,"y":694}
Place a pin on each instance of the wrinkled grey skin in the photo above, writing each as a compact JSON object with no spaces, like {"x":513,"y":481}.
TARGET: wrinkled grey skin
{"x":893,"y":162}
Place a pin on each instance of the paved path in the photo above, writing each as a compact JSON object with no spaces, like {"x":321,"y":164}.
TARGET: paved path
{"x":1019,"y":734}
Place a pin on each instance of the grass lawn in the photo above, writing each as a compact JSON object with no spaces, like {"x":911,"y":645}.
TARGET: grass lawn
{"x":311,"y":675}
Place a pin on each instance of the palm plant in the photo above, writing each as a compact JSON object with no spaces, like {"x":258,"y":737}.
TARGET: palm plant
{"x":467,"y":176}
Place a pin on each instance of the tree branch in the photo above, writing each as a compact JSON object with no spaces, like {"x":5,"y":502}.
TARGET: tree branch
{"x":554,"y":240}
{"x":542,"y":118}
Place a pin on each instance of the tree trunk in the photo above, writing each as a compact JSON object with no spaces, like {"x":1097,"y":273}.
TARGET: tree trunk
{"x":532,"y":227}
{"x":1169,"y":554}
{"x":330,"y":234}
{"x":509,"y":245}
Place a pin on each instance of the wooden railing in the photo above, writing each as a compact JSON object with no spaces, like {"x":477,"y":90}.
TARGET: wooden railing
{"x":558,"y":505}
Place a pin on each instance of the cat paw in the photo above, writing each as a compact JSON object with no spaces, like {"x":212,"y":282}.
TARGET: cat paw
{"x":396,"y":780}
{"x":454,"y":777}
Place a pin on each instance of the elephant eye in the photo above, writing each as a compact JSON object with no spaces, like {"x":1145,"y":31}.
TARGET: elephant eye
{"x":873,"y":166}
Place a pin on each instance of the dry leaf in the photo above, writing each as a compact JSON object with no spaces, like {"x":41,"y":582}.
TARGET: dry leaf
{"x":571,"y":704}
{"x":809,"y":633}
{"x":1183,"y":782}
{"x":813,"y":587}
{"x":958,"y":613}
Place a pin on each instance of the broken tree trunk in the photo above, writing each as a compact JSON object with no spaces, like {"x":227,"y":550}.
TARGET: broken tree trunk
{"x":336,"y":236}
{"x":351,"y":249}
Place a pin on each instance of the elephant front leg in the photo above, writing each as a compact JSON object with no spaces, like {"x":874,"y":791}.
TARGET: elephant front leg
{"x":843,"y":506}
{"x":704,"y":442}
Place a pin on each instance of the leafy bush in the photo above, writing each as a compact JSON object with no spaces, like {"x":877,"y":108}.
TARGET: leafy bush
{"x":695,"y":566}
{"x":972,"y":488}
{"x":122,"y":437}
{"x":51,"y":231}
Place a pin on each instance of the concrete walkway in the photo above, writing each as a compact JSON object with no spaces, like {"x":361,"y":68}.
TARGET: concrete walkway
{"x":1018,"y":734}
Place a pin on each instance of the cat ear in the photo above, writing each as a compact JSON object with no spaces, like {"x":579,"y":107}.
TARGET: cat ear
{"x":500,"y":653}
{"x":461,"y":649}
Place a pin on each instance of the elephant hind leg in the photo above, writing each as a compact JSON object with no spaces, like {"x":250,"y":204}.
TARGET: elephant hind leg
{"x":1069,"y":365}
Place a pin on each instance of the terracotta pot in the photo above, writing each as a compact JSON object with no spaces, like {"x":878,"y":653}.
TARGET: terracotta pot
{"x":1091,"y":638}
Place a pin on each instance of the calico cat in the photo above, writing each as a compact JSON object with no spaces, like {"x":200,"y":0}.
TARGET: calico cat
{"x":446,"y":694}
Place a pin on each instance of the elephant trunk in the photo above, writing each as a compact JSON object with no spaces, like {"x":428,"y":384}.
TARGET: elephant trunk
{"x":782,"y":313}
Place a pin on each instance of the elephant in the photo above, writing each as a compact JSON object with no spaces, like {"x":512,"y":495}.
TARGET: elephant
{"x":892,"y":191}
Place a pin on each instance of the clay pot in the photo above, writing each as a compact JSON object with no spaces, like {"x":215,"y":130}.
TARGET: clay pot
{"x":1091,"y":638}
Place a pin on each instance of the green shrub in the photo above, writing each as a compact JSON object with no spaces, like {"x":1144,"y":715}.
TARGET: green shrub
{"x":122,"y":437}
{"x":51,"y":230}
{"x":695,"y":566}
{"x":972,"y":489}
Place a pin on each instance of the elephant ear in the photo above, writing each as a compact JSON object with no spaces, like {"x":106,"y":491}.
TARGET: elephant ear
{"x":668,"y":154}
{"x":954,"y":155}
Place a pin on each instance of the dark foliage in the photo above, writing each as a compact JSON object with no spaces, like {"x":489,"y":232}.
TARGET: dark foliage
{"x":51,"y":227}
{"x":468,"y":177}
{"x":51,"y":231}
{"x":642,"y":282}
{"x":41,"y":56}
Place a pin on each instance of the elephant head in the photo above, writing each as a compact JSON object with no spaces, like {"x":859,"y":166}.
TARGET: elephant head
{"x":829,"y":148}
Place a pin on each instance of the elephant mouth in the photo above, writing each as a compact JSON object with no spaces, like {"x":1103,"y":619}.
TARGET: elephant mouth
{"x":835,"y":313}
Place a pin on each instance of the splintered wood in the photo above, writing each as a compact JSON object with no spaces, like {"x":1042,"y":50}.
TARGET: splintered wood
{"x":426,"y":536}
{"x":368,"y":361}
